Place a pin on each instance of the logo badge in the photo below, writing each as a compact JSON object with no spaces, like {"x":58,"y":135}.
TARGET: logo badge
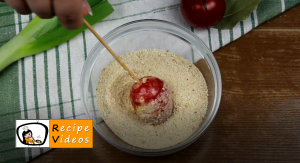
{"x":32,"y":134}
{"x":54,"y":133}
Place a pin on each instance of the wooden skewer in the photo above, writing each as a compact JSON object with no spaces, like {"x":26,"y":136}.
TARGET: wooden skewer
{"x":110,"y":50}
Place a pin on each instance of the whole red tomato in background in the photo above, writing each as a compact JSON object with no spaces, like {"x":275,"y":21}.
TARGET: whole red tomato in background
{"x":203,"y":15}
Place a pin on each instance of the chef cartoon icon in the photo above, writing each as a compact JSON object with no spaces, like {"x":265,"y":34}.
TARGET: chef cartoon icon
{"x":28,"y":136}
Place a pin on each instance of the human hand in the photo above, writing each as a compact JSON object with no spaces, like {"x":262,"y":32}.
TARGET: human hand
{"x":69,"y":12}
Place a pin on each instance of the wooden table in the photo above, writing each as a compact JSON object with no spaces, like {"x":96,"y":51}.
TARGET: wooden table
{"x":259,"y":116}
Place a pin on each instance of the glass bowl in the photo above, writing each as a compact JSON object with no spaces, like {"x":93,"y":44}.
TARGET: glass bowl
{"x":149,"y":34}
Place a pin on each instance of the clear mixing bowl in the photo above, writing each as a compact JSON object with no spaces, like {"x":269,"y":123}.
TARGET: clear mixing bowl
{"x":149,"y":34}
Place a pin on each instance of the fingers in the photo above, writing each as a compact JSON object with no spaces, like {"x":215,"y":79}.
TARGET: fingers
{"x":20,"y":6}
{"x":43,"y":8}
{"x":69,"y":13}
{"x":86,"y":8}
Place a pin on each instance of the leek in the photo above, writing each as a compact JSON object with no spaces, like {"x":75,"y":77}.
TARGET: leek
{"x":43,"y":34}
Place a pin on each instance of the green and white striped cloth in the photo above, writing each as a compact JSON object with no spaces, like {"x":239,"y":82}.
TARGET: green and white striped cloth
{"x":46,"y":86}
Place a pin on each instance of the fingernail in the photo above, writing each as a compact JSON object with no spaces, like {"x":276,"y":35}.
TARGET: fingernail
{"x":87,"y":7}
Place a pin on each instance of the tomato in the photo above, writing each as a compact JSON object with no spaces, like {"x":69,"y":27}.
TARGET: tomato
{"x":151,"y":100}
{"x":203,"y":15}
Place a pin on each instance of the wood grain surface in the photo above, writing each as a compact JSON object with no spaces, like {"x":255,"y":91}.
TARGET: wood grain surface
{"x":259,"y":116}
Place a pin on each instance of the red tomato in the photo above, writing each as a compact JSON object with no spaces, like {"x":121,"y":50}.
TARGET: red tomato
{"x":199,"y":16}
{"x":151,"y":100}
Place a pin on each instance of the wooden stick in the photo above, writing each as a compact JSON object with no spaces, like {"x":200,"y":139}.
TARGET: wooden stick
{"x":110,"y":50}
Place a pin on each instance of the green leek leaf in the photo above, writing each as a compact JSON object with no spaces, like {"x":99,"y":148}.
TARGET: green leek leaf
{"x":43,"y":34}
{"x":236,"y":10}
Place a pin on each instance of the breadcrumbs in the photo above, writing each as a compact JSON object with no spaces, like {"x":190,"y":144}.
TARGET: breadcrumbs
{"x":189,"y":94}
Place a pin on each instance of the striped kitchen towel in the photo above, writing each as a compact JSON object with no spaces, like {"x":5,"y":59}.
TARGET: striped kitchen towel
{"x":46,"y":86}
